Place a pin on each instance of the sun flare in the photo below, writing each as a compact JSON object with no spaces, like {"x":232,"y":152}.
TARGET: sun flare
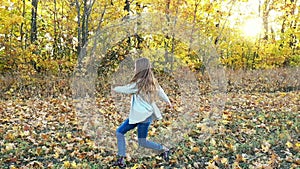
{"x":252,"y":28}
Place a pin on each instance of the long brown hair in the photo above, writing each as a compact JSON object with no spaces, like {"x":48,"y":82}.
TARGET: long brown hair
{"x":144,"y":77}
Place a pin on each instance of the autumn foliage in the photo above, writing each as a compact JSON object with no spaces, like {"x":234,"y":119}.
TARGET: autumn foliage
{"x":40,"y":46}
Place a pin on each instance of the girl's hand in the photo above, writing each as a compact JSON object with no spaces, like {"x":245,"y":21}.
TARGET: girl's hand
{"x":112,"y":89}
{"x":170,"y":106}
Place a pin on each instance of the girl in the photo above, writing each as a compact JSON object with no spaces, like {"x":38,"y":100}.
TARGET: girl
{"x":144,"y":89}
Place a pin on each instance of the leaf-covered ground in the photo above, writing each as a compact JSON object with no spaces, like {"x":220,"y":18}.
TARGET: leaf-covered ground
{"x":260,"y":127}
{"x":258,"y":130}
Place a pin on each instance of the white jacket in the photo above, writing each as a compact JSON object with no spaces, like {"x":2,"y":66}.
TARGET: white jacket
{"x":140,"y":109}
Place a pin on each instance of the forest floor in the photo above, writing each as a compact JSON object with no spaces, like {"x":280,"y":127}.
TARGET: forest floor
{"x":257,"y":129}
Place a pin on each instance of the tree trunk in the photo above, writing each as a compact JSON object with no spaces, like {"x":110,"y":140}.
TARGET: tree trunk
{"x":293,"y":26}
{"x":173,"y":37}
{"x":138,"y":38}
{"x":265,"y":16}
{"x":266,"y":25}
{"x":84,"y":25}
{"x":290,"y":25}
{"x":33,"y":32}
{"x":55,"y":47}
{"x":167,"y":37}
{"x":23,"y":44}
{"x":194,"y":22}
{"x":127,"y":8}
{"x":78,"y":31}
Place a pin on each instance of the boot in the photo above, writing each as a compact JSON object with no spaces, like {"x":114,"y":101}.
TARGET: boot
{"x":120,"y":162}
{"x":165,"y":155}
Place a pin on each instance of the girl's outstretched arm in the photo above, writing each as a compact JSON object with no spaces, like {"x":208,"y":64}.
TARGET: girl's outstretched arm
{"x":127,"y":89}
{"x":163,"y":95}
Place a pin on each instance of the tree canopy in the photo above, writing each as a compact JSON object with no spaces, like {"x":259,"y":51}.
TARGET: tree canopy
{"x":47,"y":36}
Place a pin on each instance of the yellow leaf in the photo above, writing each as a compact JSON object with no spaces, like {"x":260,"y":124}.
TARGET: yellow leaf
{"x":69,"y":135}
{"x":289,"y":123}
{"x":216,"y":158}
{"x":213,"y":142}
{"x":152,"y":132}
{"x":224,"y":160}
{"x":297,"y":161}
{"x":9,"y":136}
{"x":240,"y":158}
{"x":211,"y":165}
{"x":56,"y":155}
{"x":73,"y":164}
{"x":195,"y":149}
{"x":266,"y":146}
{"x":236,"y":165}
{"x":12,"y":167}
{"x":225,"y":121}
{"x":179,"y":152}
{"x":136,"y":166}
{"x":229,"y":146}
{"x":289,"y":144}
{"x":67,"y":164}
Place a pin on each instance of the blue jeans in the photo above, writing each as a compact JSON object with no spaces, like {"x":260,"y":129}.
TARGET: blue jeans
{"x":142,"y":131}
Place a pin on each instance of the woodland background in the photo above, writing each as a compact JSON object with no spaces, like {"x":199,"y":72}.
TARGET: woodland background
{"x":40,"y":42}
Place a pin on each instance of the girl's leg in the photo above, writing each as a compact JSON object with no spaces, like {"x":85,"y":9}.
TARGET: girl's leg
{"x":124,"y":128}
{"x":142,"y":137}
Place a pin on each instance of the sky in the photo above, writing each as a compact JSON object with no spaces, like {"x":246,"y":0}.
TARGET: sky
{"x":246,"y":17}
